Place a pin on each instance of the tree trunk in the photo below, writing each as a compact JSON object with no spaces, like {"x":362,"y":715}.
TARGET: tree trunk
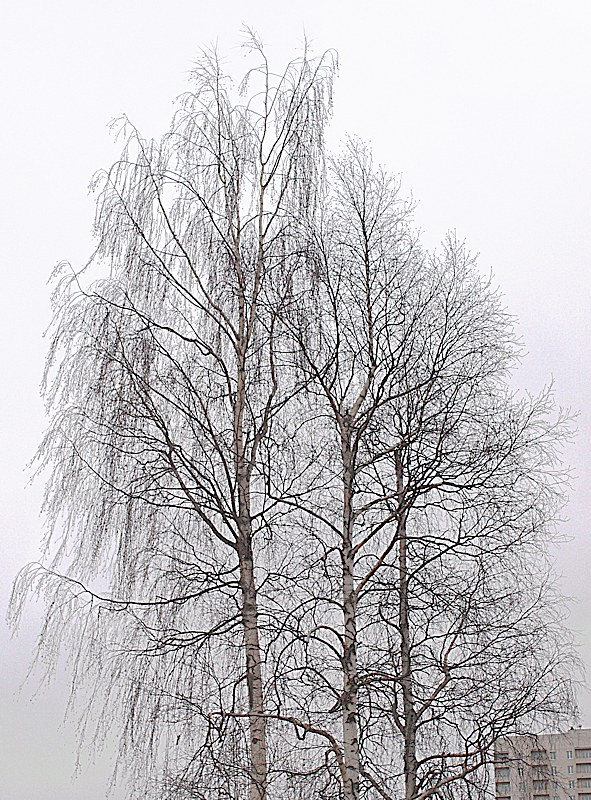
{"x":249,"y":611}
{"x":350,"y":681}
{"x":257,"y":728}
{"x":409,"y":714}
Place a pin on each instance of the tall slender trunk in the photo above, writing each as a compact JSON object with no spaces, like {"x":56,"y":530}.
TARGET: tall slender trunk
{"x":350,"y":678}
{"x":254,"y":678}
{"x":409,"y":713}
{"x":249,"y":611}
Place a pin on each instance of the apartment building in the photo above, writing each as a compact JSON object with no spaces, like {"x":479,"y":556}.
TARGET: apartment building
{"x":555,"y":766}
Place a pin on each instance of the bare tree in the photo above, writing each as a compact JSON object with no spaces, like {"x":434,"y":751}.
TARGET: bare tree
{"x":164,"y":379}
{"x":427,"y":623}
{"x":299,"y":521}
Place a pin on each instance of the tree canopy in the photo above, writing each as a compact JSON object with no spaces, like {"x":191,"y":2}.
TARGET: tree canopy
{"x":298,"y":521}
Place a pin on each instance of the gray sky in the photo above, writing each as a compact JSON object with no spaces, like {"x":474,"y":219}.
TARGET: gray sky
{"x":483,"y":107}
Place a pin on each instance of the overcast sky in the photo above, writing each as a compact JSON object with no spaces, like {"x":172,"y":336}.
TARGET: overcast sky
{"x":484,"y":108}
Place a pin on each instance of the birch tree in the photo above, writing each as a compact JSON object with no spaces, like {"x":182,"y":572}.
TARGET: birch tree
{"x":298,"y":519}
{"x":164,"y":380}
{"x":428,"y":626}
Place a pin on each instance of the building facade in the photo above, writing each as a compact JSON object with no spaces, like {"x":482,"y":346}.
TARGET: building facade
{"x":555,"y":766}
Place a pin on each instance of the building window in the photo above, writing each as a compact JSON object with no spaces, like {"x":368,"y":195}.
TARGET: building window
{"x":571,"y":784}
{"x":537,"y":755}
{"x":586,"y":768}
{"x":553,"y":755}
{"x":570,"y":769}
{"x":569,"y":753}
{"x":520,"y":771}
{"x":554,"y":770}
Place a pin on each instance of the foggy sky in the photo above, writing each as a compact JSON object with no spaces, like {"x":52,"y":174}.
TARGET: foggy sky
{"x":483,"y":108}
